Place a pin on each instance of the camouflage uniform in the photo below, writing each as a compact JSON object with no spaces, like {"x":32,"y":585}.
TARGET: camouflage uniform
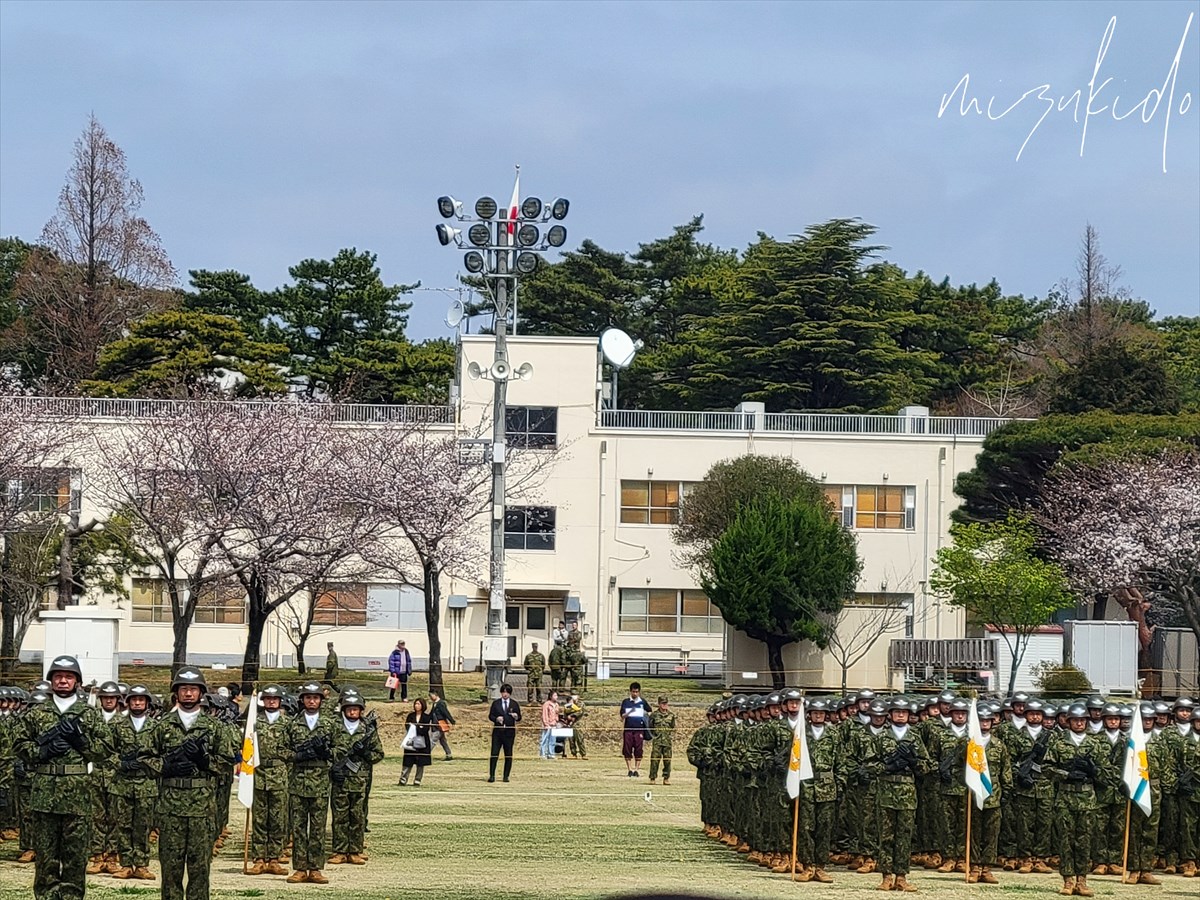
{"x":1031,"y":800}
{"x":1075,"y":768}
{"x":829,"y":781}
{"x":59,"y":798}
{"x":134,"y":789}
{"x":662,"y":727}
{"x":1174,"y":824}
{"x":1109,"y":823}
{"x":1187,"y":797}
{"x":894,"y":762}
{"x":308,"y":790}
{"x":1143,"y":829}
{"x":270,"y":812}
{"x":104,"y":813}
{"x":572,"y":713}
{"x":535,"y":670}
{"x":361,"y":748}
{"x":858,"y":809}
{"x":985,"y":823}
{"x":187,"y":799}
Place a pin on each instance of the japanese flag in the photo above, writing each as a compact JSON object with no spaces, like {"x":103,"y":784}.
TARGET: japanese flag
{"x":245,"y":790}
{"x":800,"y":766}
{"x":514,"y":204}
{"x":978,"y":778}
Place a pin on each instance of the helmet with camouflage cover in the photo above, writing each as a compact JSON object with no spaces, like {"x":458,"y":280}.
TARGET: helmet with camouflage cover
{"x":189,"y":675}
{"x":64,"y":664}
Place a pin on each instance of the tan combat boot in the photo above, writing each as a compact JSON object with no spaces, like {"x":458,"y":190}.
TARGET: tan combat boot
{"x":1147,"y":878}
{"x":27,"y":856}
{"x":255,"y":868}
{"x":933,"y":860}
{"x":973,"y":875}
{"x":1041,"y":868}
{"x":869,"y":865}
{"x":1188,"y":869}
{"x":297,"y":877}
{"x":822,"y":876}
{"x":947,"y":865}
{"x":903,"y":885}
{"x":274,"y":868}
{"x":143,"y":873}
{"x":315,"y":877}
{"x":123,"y":873}
{"x":357,"y":859}
{"x":1082,"y":889}
{"x":888,"y":883}
{"x":1026,"y":866}
{"x":337,"y":859}
{"x":986,"y":876}
{"x":95,"y":864}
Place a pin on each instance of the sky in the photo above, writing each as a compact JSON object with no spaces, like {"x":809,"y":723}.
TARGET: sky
{"x":266,"y":133}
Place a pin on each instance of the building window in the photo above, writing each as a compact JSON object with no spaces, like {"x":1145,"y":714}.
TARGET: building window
{"x":880,"y":599}
{"x":42,"y":491}
{"x":651,"y":502}
{"x":873,"y":506}
{"x":671,"y":611}
{"x":221,"y":603}
{"x":397,"y":607}
{"x":341,"y":606}
{"x":529,"y":528}
{"x":531,"y":427}
{"x":150,"y":600}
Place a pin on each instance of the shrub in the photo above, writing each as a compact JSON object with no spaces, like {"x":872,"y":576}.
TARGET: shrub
{"x":1060,"y":680}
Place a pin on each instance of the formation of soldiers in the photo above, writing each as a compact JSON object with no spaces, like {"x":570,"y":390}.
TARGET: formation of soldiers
{"x":87,"y":789}
{"x":889,"y":792}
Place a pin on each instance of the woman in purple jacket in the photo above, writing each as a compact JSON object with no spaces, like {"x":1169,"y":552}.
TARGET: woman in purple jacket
{"x":400,"y":665}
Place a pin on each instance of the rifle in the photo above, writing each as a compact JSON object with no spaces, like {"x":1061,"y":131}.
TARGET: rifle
{"x":60,"y":738}
{"x":187,"y":759}
{"x":316,"y":747}
{"x":1029,"y":768}
{"x":356,"y":757}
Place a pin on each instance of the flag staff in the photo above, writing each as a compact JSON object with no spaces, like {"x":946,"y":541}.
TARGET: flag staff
{"x":1125,"y":852}
{"x":968,"y":841}
{"x":795,"y":831}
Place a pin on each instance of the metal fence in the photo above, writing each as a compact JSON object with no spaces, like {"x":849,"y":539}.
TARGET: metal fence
{"x":122,"y":408}
{"x":800,"y":423}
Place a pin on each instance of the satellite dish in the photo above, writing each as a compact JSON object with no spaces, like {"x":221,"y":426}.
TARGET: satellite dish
{"x":618,"y":347}
{"x":455,"y":314}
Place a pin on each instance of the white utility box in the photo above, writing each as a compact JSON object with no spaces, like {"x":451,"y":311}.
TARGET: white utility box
{"x":1105,"y":651}
{"x":90,"y":634}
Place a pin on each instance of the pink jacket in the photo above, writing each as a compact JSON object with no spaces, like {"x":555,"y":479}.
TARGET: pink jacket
{"x":549,"y":714}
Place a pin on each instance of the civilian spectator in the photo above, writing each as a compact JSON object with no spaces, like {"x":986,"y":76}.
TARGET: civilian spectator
{"x":549,"y":723}
{"x":504,"y":716}
{"x":634,"y":711}
{"x":442,"y":719}
{"x":416,"y":742}
{"x":400,"y":666}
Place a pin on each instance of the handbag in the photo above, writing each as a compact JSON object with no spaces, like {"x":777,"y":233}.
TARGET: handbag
{"x":413,"y":741}
{"x":392,"y":683}
{"x":443,"y":725}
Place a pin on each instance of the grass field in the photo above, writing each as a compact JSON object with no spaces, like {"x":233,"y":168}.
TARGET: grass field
{"x":579,"y":830}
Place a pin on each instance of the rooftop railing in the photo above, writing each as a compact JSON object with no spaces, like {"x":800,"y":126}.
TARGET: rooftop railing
{"x":800,"y":423}
{"x":122,"y":408}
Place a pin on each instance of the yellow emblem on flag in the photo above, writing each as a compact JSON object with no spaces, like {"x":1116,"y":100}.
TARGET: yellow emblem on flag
{"x":247,"y":767}
{"x":1143,"y":766}
{"x":975,"y":757}
{"x":794,"y":763}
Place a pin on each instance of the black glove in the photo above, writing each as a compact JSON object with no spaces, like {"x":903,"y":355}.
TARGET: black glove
{"x":73,"y":733}
{"x":1187,"y":785}
{"x":1087,"y":766}
{"x":338,"y":774}
{"x":322,"y":748}
{"x":179,"y":766}
{"x":19,"y":769}
{"x":361,"y":750}
{"x":305,"y":752}
{"x":196,"y":751}
{"x":130,"y":763}
{"x":946,"y":769}
{"x":53,"y":749}
{"x":1024,"y":779}
{"x":863,"y":776}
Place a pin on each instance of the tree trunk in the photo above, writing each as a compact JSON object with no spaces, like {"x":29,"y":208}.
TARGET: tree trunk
{"x":775,"y":662}
{"x":301,"y":665}
{"x":258,"y":613}
{"x":179,"y":627}
{"x":8,"y":622}
{"x":433,"y":612}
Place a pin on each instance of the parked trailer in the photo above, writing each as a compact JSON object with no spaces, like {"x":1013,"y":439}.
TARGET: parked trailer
{"x":1105,"y":651}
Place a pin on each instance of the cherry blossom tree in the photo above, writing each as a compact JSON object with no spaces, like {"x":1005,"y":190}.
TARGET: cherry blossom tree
{"x":1128,"y":527}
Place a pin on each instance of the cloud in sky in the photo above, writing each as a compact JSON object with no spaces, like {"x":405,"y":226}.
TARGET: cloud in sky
{"x":266,"y":133}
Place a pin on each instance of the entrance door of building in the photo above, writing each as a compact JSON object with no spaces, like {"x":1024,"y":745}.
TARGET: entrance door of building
{"x":530,"y":623}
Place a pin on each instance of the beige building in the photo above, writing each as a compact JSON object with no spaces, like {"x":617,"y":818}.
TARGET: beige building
{"x":594,"y":544}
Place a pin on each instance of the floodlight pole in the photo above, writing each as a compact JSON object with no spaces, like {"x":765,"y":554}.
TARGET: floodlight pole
{"x":495,"y":668}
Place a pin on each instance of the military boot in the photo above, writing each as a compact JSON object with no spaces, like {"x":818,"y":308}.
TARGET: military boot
{"x":123,"y":873}
{"x":27,"y":856}
{"x":1068,"y":888}
{"x":357,"y":859}
{"x":947,"y":865}
{"x":315,"y":877}
{"x":1082,"y":889}
{"x":933,"y":860}
{"x":822,"y":876}
{"x":986,"y":876}
{"x":960,"y":865}
{"x":146,"y":875}
{"x":1147,"y":878}
{"x":274,"y":868}
{"x":1188,"y":869}
{"x":298,"y":877}
{"x":337,"y":859}
{"x":95,"y":864}
{"x":1041,"y":868}
{"x":867,"y":867}
{"x":888,"y":883}
{"x":1101,"y":870}
{"x":973,"y":875}
{"x":255,"y":868}
{"x":903,"y":885}
{"x":1026,"y":866}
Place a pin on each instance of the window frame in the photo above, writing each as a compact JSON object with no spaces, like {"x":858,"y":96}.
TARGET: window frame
{"x":529,"y":437}
{"x":670,"y":514}
{"x":545,"y":541}
{"x":852,"y":514}
{"x":628,"y":619}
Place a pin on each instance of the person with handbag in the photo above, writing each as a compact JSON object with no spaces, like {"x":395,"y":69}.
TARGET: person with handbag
{"x":399,"y":668}
{"x":549,"y":723}
{"x":443,"y":719}
{"x":416,"y":743}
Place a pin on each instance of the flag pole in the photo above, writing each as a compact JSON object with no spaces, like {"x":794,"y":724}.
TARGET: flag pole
{"x":795,"y":830}
{"x":968,"y":865}
{"x":246,"y":843}
{"x":1125,"y":852}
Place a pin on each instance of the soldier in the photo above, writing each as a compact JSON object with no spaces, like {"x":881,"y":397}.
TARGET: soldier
{"x":270,"y":816}
{"x":225,"y":713}
{"x":7,"y":794}
{"x":951,"y":750}
{"x":310,"y":742}
{"x":1172,"y":826}
{"x":189,"y":749}
{"x":535,"y":669}
{"x":1032,"y":796}
{"x":104,"y":848}
{"x":1076,"y":760}
{"x":572,"y":715}
{"x":134,"y":787}
{"x":356,"y":747}
{"x":662,"y":729}
{"x":1187,"y":797}
{"x":56,"y":741}
{"x":1143,"y":829}
{"x":894,"y":758}
{"x":331,"y":667}
{"x":985,"y":824}
{"x":23,"y":786}
{"x":1109,"y":832}
{"x":829,"y":776}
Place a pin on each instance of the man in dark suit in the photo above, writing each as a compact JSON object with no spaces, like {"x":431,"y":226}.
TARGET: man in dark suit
{"x":504,"y":714}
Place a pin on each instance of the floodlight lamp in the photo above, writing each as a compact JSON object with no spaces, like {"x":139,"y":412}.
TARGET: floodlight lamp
{"x":527,"y":261}
{"x":558,"y":209}
{"x":531,"y":208}
{"x":473,"y":260}
{"x":524,"y":371}
{"x":474,"y":371}
{"x":479,"y":234}
{"x":556,"y":236}
{"x":485,"y":208}
{"x":527,"y":235}
{"x":447,"y":235}
{"x":449,"y":207}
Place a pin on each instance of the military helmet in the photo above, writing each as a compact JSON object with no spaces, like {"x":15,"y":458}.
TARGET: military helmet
{"x":1035,"y":705}
{"x":42,"y":685}
{"x":792,"y":694}
{"x":1095,"y":702}
{"x":1020,"y":697}
{"x":960,"y":704}
{"x":1078,"y":711}
{"x":139,"y":690}
{"x":123,"y":688}
{"x":819,"y":705}
{"x":271,"y":690}
{"x":866,"y":694}
{"x":110,"y":689}
{"x":39,"y":697}
{"x":898,"y":703}
{"x":189,"y":675}
{"x":947,"y":696}
{"x":931,"y":702}
{"x":1147,"y":711}
{"x":1111,"y":709}
{"x":1126,"y":711}
{"x":351,"y":698}
{"x":1050,"y":711}
{"x":1196,"y":714}
{"x":311,"y":687}
{"x":1008,"y":704}
{"x":65,"y":664}
{"x":1184,"y":703}
{"x":878,"y":708}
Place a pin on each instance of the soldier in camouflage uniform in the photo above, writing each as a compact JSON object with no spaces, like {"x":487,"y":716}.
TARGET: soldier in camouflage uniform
{"x":535,"y":670}
{"x":189,"y":750}
{"x":1076,"y":760}
{"x":270,"y":812}
{"x":57,"y":740}
{"x":7,"y":758}
{"x":1143,"y":829}
{"x":1109,"y":831}
{"x":356,"y":747}
{"x":1187,"y":796}
{"x":828,"y":782}
{"x":894,"y":758}
{"x":1032,"y":798}
{"x":310,"y":741}
{"x":859,"y":749}
{"x":1173,"y":826}
{"x":224,"y":712}
{"x":23,"y":786}
{"x":951,"y":750}
{"x":699,"y":754}
{"x":103,"y":854}
{"x":134,"y":787}
{"x":662,"y":729}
